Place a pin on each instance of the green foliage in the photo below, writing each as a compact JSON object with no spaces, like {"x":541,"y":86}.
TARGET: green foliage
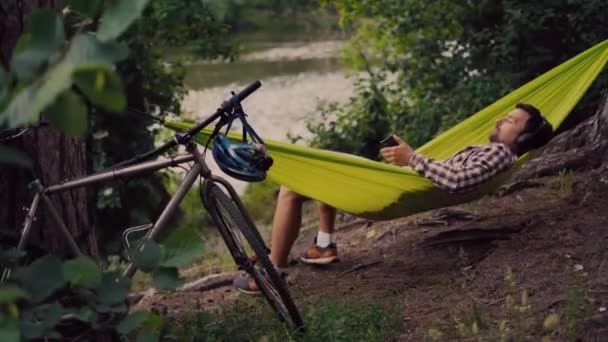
{"x":69,"y":113}
{"x":260,"y":200}
{"x":82,"y":271}
{"x":166,"y":278}
{"x":131,"y":322}
{"x":359,"y":126}
{"x":89,"y":8}
{"x":326,"y":320}
{"x":566,"y":183}
{"x":43,"y":277}
{"x":182,"y":248}
{"x":575,"y":311}
{"x":102,"y":87}
{"x":146,"y":255}
{"x":15,"y":157}
{"x":275,"y":20}
{"x":35,"y":48}
{"x":37,"y":297}
{"x":117,"y":18}
{"x":45,"y":65}
{"x":153,"y":86}
{"x":448,"y":59}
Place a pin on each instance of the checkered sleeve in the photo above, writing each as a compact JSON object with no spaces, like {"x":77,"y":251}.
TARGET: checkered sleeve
{"x":483,"y":164}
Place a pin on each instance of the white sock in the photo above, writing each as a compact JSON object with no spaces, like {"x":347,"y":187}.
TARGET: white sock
{"x":324,"y":239}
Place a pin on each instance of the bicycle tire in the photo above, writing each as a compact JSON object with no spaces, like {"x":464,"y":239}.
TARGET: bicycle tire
{"x":272,"y":286}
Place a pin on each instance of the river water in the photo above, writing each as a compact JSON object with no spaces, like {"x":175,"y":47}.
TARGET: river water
{"x":295,"y":76}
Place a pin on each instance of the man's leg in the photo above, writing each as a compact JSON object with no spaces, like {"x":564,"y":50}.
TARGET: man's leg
{"x":324,"y":250}
{"x":327,"y":221}
{"x":285,"y":225}
{"x":285,"y":230}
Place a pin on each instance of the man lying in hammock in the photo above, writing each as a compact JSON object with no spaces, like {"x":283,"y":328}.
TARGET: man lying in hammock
{"x":521,"y":130}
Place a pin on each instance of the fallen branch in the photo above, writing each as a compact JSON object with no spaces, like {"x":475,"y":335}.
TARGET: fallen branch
{"x":432,"y":222}
{"x":361,"y":266}
{"x":210,"y":282}
{"x":141,"y":298}
{"x":518,"y":185}
{"x":443,"y":217}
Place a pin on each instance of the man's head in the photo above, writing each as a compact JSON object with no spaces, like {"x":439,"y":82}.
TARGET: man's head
{"x":522,"y":129}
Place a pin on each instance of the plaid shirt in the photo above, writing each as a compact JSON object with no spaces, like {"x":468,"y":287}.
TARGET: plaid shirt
{"x":466,"y":169}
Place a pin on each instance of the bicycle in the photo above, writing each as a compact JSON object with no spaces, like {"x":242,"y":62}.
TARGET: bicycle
{"x":218,"y":197}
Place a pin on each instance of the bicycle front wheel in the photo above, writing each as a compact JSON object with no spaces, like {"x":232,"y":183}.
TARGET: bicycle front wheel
{"x":242,"y":238}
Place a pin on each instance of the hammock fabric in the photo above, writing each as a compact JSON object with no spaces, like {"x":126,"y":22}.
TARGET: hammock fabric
{"x":381,"y":191}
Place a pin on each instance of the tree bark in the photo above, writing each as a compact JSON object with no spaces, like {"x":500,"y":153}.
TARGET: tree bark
{"x":55,"y":156}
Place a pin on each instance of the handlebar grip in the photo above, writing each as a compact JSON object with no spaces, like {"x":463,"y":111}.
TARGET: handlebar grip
{"x":240,"y":96}
{"x":248,"y":90}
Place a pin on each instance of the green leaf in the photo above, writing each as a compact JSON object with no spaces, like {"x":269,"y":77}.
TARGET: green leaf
{"x":86,"y":50}
{"x":38,"y":321}
{"x":15,"y":157}
{"x":183,"y":247}
{"x":102,"y":87}
{"x":30,"y":101}
{"x":118,"y":17}
{"x":9,"y":330}
{"x":83,"y":314}
{"x":46,"y":36}
{"x":132,"y":322}
{"x":166,"y":278}
{"x":69,"y":114}
{"x":4,"y":85}
{"x":148,"y":335}
{"x":82,"y":271}
{"x":11,"y":293}
{"x":89,"y":8}
{"x":113,"y":290}
{"x":10,"y":256}
{"x":146,"y":255}
{"x":41,"y":278}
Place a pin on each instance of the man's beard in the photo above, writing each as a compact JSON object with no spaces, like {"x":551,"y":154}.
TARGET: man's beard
{"x":493,"y":137}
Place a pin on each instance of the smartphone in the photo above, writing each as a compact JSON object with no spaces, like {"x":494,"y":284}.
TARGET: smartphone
{"x":388,"y":142}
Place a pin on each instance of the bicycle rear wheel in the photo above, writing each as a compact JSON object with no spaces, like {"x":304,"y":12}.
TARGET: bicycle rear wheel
{"x":242,"y":238}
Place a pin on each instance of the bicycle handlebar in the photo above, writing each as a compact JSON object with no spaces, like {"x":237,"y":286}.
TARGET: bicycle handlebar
{"x":226,"y":106}
{"x":240,"y":96}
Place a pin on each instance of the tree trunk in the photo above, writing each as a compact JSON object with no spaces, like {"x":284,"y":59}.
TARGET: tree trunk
{"x":55,"y":157}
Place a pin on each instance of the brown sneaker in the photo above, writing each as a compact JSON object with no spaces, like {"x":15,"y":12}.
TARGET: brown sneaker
{"x":246,"y":284}
{"x":320,"y":255}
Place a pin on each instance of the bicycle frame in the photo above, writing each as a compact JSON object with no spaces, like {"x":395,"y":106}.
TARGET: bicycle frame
{"x":138,"y":165}
{"x":43,"y":193}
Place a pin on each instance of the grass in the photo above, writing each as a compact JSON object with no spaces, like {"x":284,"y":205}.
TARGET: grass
{"x":563,"y":183}
{"x":518,"y":323}
{"x":251,"y":319}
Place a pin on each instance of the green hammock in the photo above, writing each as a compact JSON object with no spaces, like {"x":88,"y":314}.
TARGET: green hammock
{"x":378,"y":190}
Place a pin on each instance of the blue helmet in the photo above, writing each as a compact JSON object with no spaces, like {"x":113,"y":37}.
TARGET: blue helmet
{"x":247,"y":162}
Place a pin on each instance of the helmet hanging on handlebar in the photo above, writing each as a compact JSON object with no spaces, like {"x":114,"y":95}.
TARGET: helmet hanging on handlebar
{"x":247,"y":160}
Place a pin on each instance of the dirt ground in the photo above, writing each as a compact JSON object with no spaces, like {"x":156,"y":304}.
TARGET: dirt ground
{"x":446,"y":271}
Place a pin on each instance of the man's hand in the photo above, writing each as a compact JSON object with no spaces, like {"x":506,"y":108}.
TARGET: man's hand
{"x":397,"y":155}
